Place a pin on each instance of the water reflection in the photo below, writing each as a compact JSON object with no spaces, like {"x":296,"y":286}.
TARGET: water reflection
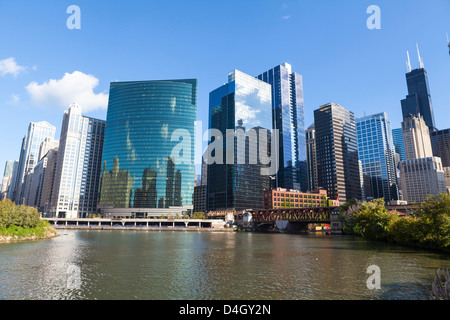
{"x":202,"y":265}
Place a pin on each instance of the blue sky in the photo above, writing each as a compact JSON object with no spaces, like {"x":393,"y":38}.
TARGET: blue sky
{"x":43,"y":63}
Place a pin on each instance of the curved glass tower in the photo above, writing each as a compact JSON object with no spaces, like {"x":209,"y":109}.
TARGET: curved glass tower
{"x":148,"y":154}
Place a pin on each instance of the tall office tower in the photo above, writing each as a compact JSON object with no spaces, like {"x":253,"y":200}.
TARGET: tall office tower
{"x":313,"y":183}
{"x":29,"y":155}
{"x":397,"y":137}
{"x":416,"y":138}
{"x":288,"y":118}
{"x":48,"y":182}
{"x":7,"y":174}
{"x":78,"y":165}
{"x":337,"y":152}
{"x":242,"y":107}
{"x":376,"y":151}
{"x":148,"y":155}
{"x":440,"y":143}
{"x":418,"y":100}
{"x":422,"y":177}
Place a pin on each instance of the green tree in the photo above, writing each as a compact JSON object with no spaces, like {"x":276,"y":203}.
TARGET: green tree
{"x":198,"y":215}
{"x":372,"y":221}
{"x":433,"y":225}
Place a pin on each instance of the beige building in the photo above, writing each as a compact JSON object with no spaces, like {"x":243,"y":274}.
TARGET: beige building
{"x":421,"y":177}
{"x":416,"y":138}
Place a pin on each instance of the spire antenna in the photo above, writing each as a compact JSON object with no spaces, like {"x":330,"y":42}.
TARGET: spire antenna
{"x":420,"y":59}
{"x":408,"y":62}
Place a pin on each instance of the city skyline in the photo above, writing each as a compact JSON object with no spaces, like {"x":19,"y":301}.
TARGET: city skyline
{"x":368,"y":61}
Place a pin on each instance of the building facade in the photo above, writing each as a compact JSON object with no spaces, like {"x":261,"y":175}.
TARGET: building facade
{"x":199,"y":199}
{"x":337,"y":152}
{"x":311,"y":161}
{"x":48,"y":183}
{"x":6,"y":180}
{"x":288,"y":118}
{"x":376,"y":151}
{"x":281,"y":198}
{"x":416,"y":138}
{"x":29,"y":155}
{"x":142,"y":168}
{"x":78,"y":168}
{"x":440,"y":143}
{"x":397,"y":137}
{"x":422,"y":177}
{"x":243,"y":107}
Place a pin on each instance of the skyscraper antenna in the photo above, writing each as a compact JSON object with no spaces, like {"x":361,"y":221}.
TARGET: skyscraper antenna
{"x":448,"y":43}
{"x":408,"y":62}
{"x":420,"y":59}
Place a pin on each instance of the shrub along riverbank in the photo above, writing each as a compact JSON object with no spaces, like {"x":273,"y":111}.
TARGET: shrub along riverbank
{"x":428,"y":227}
{"x":19,"y":223}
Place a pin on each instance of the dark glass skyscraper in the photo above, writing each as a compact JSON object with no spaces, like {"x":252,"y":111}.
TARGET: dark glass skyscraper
{"x":337,"y":152}
{"x":242,"y":104}
{"x":440,"y":142}
{"x":418,"y":100}
{"x":146,"y":121}
{"x":288,"y":118}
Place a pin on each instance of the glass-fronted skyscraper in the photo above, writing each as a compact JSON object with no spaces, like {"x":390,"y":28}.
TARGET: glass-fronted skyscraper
{"x":288,"y":118}
{"x":244,"y":104}
{"x":376,"y":152}
{"x":146,"y":121}
{"x":337,"y":152}
{"x":397,"y":137}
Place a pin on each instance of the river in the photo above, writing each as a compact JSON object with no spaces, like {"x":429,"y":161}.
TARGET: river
{"x":175,"y":265}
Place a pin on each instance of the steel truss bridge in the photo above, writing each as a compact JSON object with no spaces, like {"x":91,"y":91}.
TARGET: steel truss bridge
{"x":304,"y":215}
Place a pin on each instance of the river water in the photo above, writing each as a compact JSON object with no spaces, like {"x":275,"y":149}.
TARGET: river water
{"x":178,"y":265}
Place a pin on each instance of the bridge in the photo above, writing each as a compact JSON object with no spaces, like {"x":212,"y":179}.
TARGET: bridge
{"x":143,"y":224}
{"x":304,"y":215}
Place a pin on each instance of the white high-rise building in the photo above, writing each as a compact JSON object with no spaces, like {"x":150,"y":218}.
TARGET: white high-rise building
{"x":29,"y":155}
{"x":78,"y":165}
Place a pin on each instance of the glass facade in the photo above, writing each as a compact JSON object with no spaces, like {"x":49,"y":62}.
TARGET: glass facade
{"x":288,"y":118}
{"x":139,"y":169}
{"x":337,"y":152}
{"x":244,"y":103}
{"x":418,"y":100}
{"x":376,"y":152}
{"x":397,"y":136}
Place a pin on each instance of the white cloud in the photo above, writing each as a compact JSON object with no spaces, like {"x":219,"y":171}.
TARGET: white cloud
{"x":285,"y":17}
{"x":10,"y":66}
{"x":76,"y":87}
{"x":13,"y":99}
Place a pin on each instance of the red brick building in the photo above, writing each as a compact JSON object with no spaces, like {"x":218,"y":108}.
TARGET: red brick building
{"x":284,"y":198}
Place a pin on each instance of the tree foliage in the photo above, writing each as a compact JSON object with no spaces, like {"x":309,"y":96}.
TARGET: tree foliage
{"x":428,"y":227}
{"x":20,"y":216}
